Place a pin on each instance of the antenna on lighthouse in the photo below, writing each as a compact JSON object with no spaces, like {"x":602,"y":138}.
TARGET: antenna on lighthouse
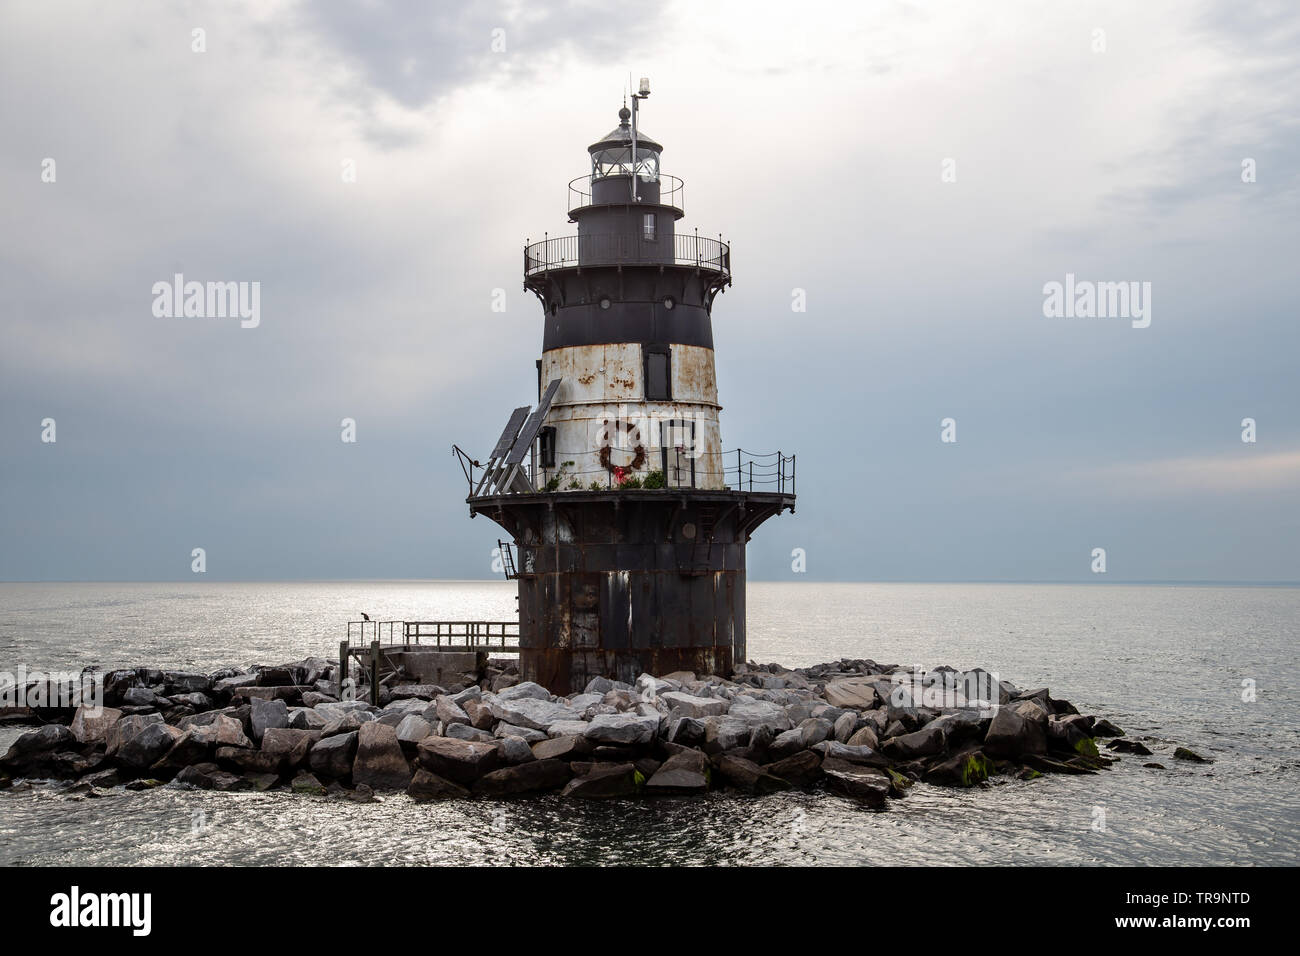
{"x":642,"y":93}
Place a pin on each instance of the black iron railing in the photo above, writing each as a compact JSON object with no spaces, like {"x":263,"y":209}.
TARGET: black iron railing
{"x":566,"y":252}
{"x":672,"y":192}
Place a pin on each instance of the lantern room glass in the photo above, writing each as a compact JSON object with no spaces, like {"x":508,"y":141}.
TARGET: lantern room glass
{"x":618,"y":162}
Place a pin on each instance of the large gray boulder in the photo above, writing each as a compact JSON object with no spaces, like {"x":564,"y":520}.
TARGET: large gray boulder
{"x":510,"y":730}
{"x":622,"y":729}
{"x":466,"y":732}
{"x":528,"y":690}
{"x":516,"y":750}
{"x":449,"y":711}
{"x":813,"y":731}
{"x":413,"y":729}
{"x":725,"y":733}
{"x":379,"y":762}
{"x":685,"y":772}
{"x":688,"y":705}
{"x":268,"y":715}
{"x":333,"y":756}
{"x":461,"y":761}
{"x":855,"y":692}
{"x":760,"y":712}
{"x":532,"y":712}
{"x":291,"y":746}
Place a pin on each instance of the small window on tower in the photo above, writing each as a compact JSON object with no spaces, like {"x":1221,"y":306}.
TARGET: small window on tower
{"x":648,"y":227}
{"x":546,"y":451}
{"x":658,"y":376}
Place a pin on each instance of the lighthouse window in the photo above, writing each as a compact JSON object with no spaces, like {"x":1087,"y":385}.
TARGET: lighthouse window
{"x":546,"y":451}
{"x":658,"y":375}
{"x":648,"y":226}
{"x":604,"y":302}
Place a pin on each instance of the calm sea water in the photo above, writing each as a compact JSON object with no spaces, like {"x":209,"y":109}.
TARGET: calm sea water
{"x":1168,"y":664}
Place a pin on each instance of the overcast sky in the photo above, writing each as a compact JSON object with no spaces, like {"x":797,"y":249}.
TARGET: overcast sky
{"x":813,"y":136}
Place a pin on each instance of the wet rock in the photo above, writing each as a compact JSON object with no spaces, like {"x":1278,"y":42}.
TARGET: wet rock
{"x":42,"y":740}
{"x":379,"y":762}
{"x":143,"y":749}
{"x":1013,"y":734}
{"x":748,"y":776}
{"x":268,"y":715}
{"x":861,"y":756}
{"x":1154,"y":766}
{"x":1104,"y":728}
{"x":929,"y":740}
{"x":801,"y":769}
{"x":1129,"y":747}
{"x":90,"y":725}
{"x":291,"y":746}
{"x":259,"y":782}
{"x":686,"y":772}
{"x":867,"y":785}
{"x":605,"y":783}
{"x":307,"y":783}
{"x":104,"y":779}
{"x":1182,"y":753}
{"x":961,"y":770}
{"x":523,"y":778}
{"x":333,"y":756}
{"x":249,"y":761}
{"x":188,"y":748}
{"x":429,"y":786}
{"x":461,"y":761}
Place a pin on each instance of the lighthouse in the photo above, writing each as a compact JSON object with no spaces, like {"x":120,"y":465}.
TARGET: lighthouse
{"x":627,"y":519}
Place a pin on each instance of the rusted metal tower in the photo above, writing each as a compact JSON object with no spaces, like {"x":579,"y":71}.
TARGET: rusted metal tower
{"x":629,"y":520}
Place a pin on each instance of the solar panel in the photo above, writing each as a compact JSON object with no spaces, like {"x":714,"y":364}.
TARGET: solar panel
{"x":511,"y":430}
{"x":532,"y":426}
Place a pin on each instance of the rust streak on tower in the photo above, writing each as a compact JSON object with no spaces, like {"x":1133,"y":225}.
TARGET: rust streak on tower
{"x":629,"y":520}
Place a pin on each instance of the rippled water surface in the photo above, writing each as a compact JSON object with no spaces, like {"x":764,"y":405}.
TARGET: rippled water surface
{"x":1166,"y":663}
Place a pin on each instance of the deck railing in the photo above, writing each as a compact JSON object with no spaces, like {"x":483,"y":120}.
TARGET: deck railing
{"x":566,"y":252}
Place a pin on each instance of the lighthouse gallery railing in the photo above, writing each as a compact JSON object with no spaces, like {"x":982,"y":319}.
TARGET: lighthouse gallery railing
{"x":566,"y":252}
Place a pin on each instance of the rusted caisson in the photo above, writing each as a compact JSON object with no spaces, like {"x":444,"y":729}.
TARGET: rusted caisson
{"x":628,"y":520}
